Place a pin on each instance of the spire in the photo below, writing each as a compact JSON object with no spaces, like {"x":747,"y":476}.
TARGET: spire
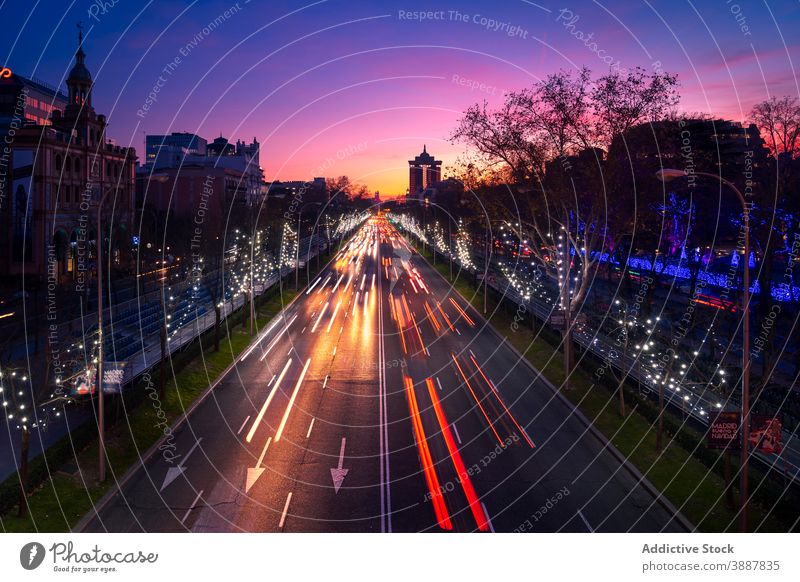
{"x":79,"y":54}
{"x":424,"y":149}
{"x":79,"y":80}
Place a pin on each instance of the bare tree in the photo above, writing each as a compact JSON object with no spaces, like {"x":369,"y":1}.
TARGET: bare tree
{"x":776,"y":212}
{"x":779,"y":122}
{"x":551,"y":141}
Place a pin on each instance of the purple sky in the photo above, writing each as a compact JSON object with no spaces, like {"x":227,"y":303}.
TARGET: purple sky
{"x":356,"y":87}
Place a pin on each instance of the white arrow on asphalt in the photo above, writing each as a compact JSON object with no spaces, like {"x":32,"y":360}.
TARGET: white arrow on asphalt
{"x":338,"y":474}
{"x":253,"y":473}
{"x":175,"y":472}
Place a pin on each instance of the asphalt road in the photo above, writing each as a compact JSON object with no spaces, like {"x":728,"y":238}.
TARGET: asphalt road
{"x":381,"y":402}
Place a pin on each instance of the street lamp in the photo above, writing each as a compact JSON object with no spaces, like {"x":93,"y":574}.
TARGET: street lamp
{"x":297,"y":248}
{"x":667,"y":175}
{"x":101,"y":422}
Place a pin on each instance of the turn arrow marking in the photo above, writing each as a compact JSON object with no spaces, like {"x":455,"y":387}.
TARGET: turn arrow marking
{"x":338,"y":474}
{"x":175,"y":472}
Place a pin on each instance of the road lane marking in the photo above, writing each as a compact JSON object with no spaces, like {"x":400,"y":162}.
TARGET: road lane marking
{"x":585,"y":522}
{"x":285,"y":510}
{"x":263,"y":410}
{"x":491,"y":527}
{"x":439,"y":382}
{"x":455,"y":430}
{"x":194,"y":503}
{"x":310,"y":426}
{"x":241,"y":428}
{"x":291,"y":401}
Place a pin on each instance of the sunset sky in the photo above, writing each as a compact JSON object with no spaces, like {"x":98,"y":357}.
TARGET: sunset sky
{"x":357,"y":87}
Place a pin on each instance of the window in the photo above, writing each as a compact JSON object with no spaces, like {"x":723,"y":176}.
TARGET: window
{"x":58,"y":162}
{"x":77,"y":166}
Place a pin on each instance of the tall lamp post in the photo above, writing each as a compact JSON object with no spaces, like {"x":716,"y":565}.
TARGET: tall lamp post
{"x":297,"y":248}
{"x":668,"y":175}
{"x":101,"y":421}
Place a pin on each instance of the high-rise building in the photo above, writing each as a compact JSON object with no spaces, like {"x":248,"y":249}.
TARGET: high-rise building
{"x":424,"y":171}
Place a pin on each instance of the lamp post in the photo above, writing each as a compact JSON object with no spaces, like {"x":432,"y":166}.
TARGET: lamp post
{"x":101,"y":421}
{"x":297,"y":248}
{"x":667,"y":175}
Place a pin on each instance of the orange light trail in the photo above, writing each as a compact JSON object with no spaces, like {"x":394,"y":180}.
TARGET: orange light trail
{"x":324,"y":309}
{"x":458,"y":462}
{"x":462,"y":312}
{"x":414,"y":321}
{"x":333,"y":317}
{"x":450,"y":325}
{"x":432,"y":317}
{"x":398,"y":317}
{"x":478,"y":402}
{"x":439,"y":506}
{"x":503,"y":404}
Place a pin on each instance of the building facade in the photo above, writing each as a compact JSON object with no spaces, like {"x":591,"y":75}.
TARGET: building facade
{"x":169,"y":150}
{"x":186,"y":150}
{"x":424,"y":171}
{"x":55,"y":172}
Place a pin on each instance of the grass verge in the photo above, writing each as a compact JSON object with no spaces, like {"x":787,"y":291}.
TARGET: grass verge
{"x":58,"y":503}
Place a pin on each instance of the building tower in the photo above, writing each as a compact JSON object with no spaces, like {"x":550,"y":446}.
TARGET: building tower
{"x":423,"y":172}
{"x":79,"y":82}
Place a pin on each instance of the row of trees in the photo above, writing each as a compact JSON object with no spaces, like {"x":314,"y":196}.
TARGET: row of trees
{"x":573,"y":159}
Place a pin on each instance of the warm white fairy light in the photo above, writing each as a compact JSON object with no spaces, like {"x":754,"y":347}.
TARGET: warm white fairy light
{"x":462,"y":247}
